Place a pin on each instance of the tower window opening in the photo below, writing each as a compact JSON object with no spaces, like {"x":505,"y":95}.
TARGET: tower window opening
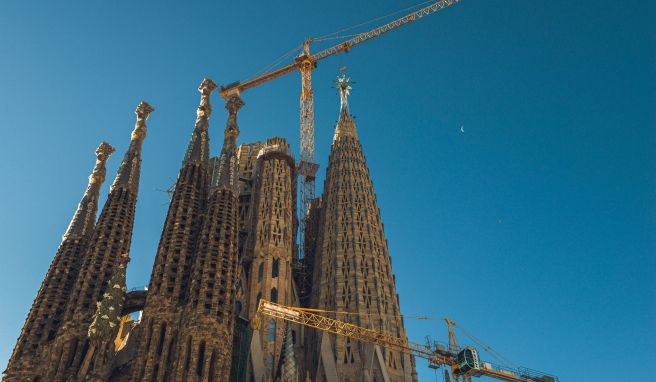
{"x":260,"y":273}
{"x":275,"y":269}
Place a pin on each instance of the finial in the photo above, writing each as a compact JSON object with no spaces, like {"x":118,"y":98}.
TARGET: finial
{"x":345,"y":123}
{"x":143,"y":112}
{"x":233,"y":104}
{"x":205,"y":88}
{"x":344,"y":85}
{"x":103,"y":151}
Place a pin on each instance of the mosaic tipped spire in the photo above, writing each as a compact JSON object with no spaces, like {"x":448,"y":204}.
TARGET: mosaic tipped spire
{"x":128,"y":173}
{"x":228,"y":172}
{"x":199,"y":145}
{"x":85,"y":216}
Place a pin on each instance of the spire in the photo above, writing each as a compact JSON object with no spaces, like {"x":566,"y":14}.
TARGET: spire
{"x":199,"y":145}
{"x":85,"y":216}
{"x":43,"y":321}
{"x":111,"y":238}
{"x":128,"y":173}
{"x":345,"y":123}
{"x":352,"y":266}
{"x":228,"y":172}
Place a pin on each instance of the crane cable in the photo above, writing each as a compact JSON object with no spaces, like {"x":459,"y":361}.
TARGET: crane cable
{"x":275,"y":62}
{"x":331,"y":36}
{"x":326,"y":37}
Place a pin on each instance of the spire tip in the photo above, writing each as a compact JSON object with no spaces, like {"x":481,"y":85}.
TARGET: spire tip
{"x":104,"y":150}
{"x":143,"y":110}
{"x":207,"y":86}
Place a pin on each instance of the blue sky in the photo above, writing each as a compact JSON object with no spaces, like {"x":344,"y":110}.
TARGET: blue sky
{"x":533,"y":228}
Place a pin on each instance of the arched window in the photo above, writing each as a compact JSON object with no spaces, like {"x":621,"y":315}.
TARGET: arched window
{"x":259,"y":297}
{"x":238,"y":308}
{"x":260,"y":273}
{"x":275,"y":269}
{"x":274,"y":295}
{"x":272,"y":330}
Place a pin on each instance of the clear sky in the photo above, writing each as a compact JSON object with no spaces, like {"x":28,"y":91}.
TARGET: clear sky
{"x":511,"y":145}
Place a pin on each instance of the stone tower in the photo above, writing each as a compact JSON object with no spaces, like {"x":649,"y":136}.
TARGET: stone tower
{"x":352,"y":267}
{"x":44,"y":318}
{"x":269,"y":252}
{"x":208,"y":320}
{"x":111,"y":239}
{"x":169,"y":281}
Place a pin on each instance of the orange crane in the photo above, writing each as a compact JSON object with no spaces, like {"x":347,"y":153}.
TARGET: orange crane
{"x":463,"y":362}
{"x":305,"y":63}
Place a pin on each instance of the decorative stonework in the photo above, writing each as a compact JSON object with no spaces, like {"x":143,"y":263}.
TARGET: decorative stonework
{"x":129,"y":171}
{"x":228,"y":171}
{"x":199,"y":145}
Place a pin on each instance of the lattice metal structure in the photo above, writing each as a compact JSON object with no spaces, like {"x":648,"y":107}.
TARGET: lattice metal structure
{"x":307,"y":168}
{"x":373,"y":336}
{"x":461,"y":368}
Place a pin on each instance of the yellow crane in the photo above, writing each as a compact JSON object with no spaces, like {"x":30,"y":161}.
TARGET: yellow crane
{"x":305,"y":63}
{"x":463,"y":362}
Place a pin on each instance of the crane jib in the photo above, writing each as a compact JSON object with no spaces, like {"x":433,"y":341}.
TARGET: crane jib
{"x":362,"y":37}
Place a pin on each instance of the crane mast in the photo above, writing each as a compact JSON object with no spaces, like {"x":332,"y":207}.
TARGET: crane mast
{"x":464,"y":363}
{"x":305,"y":63}
{"x":307,"y":169}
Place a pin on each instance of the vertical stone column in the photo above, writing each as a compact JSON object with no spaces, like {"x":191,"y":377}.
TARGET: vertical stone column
{"x":43,"y":320}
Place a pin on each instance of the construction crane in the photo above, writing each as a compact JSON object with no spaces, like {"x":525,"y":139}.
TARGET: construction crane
{"x":463,"y":362}
{"x":305,"y":63}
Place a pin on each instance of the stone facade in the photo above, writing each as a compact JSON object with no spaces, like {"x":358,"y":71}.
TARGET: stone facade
{"x":229,"y":240}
